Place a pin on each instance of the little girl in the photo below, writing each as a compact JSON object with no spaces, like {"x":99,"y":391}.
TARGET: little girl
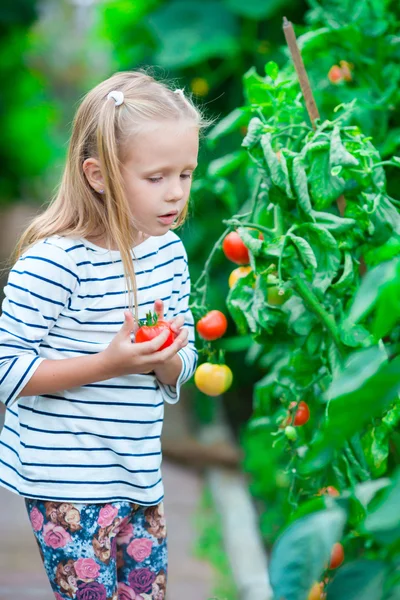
{"x":81,"y":439}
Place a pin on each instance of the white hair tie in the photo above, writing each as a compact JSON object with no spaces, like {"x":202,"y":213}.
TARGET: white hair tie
{"x":117,"y":96}
{"x":180,"y":92}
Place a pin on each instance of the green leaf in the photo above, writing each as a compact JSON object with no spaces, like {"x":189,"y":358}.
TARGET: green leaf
{"x":239,"y":303}
{"x":305,"y":251}
{"x":355,"y":336}
{"x":324,"y":187}
{"x":365,"y":491}
{"x":388,"y":310}
{"x":376,"y":449}
{"x":346,"y":279}
{"x":371,"y":289}
{"x":272,"y":70}
{"x":257,"y":89}
{"x":301,"y":186}
{"x":237,"y":118}
{"x":278,"y":176}
{"x":189,"y":33}
{"x":302,"y":551}
{"x":254,"y":9}
{"x":363,"y":391}
{"x":338,"y":155}
{"x":226,"y":192}
{"x":254,"y":132}
{"x":383,"y":521}
{"x":360,"y":580}
{"x":253,"y":243}
{"x":221,"y":167}
{"x":333,"y":222}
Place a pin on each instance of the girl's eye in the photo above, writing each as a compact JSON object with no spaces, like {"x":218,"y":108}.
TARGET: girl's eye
{"x":155,"y":179}
{"x":186,"y":175}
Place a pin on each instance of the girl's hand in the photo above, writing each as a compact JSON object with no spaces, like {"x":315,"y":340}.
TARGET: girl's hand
{"x":121,"y":357}
{"x":176,"y":324}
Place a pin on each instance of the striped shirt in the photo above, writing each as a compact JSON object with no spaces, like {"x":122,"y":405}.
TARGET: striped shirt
{"x":99,"y":442}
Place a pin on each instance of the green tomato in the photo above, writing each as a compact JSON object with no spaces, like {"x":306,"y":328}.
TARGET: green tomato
{"x":275,"y":296}
{"x":291,"y":433}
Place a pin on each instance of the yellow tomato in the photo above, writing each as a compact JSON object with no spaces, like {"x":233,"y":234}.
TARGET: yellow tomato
{"x":317,"y":592}
{"x":237,"y":274}
{"x":200,"y":86}
{"x":213,"y":380}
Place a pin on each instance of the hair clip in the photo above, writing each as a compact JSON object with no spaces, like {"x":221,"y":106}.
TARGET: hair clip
{"x":180,"y":92}
{"x":117,"y":96}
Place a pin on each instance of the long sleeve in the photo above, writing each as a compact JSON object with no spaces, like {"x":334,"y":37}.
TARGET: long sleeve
{"x":39,"y":286}
{"x":188,"y":354}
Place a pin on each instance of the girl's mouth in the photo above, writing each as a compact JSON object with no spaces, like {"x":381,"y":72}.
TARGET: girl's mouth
{"x":168,"y":218}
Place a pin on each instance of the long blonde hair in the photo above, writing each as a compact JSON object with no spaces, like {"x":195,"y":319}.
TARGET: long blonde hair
{"x":101,"y":130}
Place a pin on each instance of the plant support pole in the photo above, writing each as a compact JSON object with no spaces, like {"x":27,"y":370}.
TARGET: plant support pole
{"x":311,"y":105}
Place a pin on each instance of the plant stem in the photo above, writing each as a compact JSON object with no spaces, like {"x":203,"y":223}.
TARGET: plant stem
{"x":204,"y":274}
{"x":235,"y":223}
{"x":309,"y":298}
{"x":255,"y":197}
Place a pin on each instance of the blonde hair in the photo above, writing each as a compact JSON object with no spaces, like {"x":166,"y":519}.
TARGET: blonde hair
{"x":101,"y":129}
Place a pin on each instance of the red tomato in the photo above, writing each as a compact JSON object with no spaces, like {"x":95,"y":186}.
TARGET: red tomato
{"x":235,"y":250}
{"x":335,"y":74}
{"x":151,"y":328}
{"x":212,"y":326}
{"x":329,"y":491}
{"x":337,"y":556}
{"x":302,"y":413}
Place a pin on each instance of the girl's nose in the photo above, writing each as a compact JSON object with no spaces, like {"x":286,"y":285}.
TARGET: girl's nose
{"x":176,"y":193}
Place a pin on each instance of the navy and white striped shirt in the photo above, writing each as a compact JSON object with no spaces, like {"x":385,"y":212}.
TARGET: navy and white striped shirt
{"x":100,"y":442}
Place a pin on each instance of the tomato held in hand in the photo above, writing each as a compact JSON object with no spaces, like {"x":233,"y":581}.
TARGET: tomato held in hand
{"x":213,"y":380}
{"x":151,"y":328}
{"x":235,"y":250}
{"x":237,"y":274}
{"x":212,"y":326}
{"x":337,"y":556}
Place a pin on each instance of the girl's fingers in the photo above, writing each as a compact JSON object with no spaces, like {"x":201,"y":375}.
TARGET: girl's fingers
{"x":153,"y":345}
{"x":177,"y":323}
{"x":159,"y":308}
{"x":179,"y":342}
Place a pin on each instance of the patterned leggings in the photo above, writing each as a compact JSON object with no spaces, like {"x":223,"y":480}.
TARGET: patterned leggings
{"x":115,"y":551}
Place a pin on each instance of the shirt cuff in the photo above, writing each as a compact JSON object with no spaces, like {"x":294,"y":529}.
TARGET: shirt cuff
{"x":19,"y":373}
{"x":171,"y":393}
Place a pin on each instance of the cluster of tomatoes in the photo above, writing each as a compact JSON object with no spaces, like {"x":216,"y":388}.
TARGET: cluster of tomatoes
{"x":298,"y":415}
{"x":337,"y":73}
{"x":210,"y":378}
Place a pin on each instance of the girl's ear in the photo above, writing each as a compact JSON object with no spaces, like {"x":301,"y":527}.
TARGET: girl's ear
{"x":91,"y":168}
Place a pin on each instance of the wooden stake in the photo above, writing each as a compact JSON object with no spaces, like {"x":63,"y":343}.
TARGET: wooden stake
{"x":300,"y":70}
{"x":311,"y":105}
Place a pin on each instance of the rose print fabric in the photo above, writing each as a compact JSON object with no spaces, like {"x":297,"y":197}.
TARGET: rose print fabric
{"x":115,"y":551}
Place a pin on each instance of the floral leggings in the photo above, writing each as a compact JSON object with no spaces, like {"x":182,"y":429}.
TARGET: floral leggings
{"x":115,"y":551}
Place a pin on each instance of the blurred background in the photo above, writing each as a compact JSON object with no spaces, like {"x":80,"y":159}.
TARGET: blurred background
{"x":53,"y":51}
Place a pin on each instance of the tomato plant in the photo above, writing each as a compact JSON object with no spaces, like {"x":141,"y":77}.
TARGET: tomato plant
{"x":151,"y":328}
{"x":326,"y":217}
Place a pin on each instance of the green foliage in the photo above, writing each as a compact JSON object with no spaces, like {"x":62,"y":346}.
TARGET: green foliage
{"x":332,"y":341}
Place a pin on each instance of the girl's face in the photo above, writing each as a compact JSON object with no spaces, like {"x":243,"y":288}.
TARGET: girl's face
{"x":157,"y":173}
